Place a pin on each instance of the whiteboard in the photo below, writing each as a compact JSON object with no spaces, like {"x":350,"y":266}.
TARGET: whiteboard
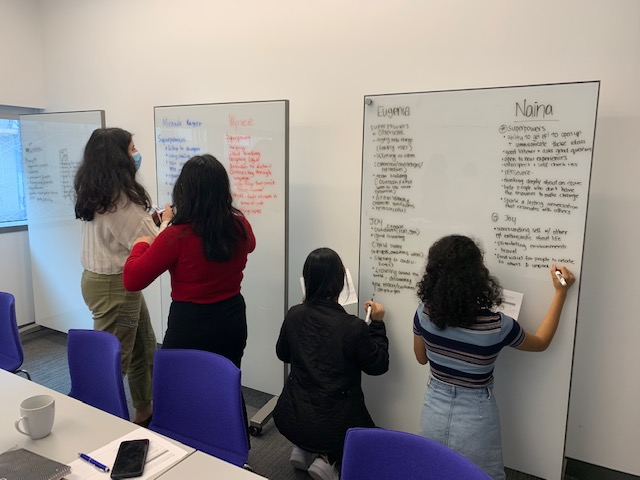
{"x":251,"y":139}
{"x":52,"y":149}
{"x":509,"y":167}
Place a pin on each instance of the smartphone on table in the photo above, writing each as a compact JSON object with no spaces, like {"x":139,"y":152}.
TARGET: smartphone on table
{"x":130,"y":459}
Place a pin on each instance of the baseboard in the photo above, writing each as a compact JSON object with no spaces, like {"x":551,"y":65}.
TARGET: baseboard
{"x":29,"y":328}
{"x":578,"y":470}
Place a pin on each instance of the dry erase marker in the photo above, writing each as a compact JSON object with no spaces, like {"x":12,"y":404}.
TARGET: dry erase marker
{"x":562,"y":281}
{"x":96,"y":463}
{"x":367,"y":319}
{"x":160,"y":210}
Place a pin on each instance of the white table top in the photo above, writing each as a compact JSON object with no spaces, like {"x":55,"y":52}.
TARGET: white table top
{"x":200,"y":466}
{"x":79,"y":427}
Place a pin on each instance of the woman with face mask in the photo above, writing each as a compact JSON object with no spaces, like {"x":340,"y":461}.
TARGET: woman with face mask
{"x":114,"y":208}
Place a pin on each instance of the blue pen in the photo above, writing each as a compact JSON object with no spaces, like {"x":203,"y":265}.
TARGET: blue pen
{"x":86,"y":457}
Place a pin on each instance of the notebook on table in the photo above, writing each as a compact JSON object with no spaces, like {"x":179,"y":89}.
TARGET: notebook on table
{"x":23,"y":464}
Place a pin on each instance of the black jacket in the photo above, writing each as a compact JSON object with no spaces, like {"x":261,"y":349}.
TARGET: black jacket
{"x":327,"y":349}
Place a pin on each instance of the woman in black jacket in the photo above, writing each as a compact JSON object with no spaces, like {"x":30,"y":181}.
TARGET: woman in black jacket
{"x":327,"y":349}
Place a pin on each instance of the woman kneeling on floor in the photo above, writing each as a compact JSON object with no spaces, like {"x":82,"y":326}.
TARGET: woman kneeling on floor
{"x":327,"y":349}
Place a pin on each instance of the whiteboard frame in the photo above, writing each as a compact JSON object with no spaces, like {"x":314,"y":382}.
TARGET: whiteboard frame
{"x":266,"y":375}
{"x":55,"y":260}
{"x":572,"y":304}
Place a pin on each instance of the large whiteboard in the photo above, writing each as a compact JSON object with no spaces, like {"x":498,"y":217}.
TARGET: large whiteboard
{"x":52,"y":149}
{"x":511,"y":168}
{"x":252,"y":140}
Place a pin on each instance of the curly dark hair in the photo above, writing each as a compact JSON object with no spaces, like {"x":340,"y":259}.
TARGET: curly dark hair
{"x":106,"y":173}
{"x":202,"y":198}
{"x":456,"y":283}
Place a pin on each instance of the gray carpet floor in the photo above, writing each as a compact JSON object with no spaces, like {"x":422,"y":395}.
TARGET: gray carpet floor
{"x":45,"y":353}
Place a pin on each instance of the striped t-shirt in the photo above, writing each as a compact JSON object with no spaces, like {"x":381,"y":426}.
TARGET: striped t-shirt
{"x":465,"y":356}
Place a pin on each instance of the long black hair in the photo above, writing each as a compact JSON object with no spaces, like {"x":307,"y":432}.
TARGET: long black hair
{"x":323,"y":274}
{"x":456,"y":283}
{"x":202,"y":198}
{"x":106,"y":173}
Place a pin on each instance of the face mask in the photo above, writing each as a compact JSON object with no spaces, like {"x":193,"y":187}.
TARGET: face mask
{"x":137,"y":160}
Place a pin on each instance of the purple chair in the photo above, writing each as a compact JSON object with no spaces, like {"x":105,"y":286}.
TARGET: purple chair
{"x":197,"y":400}
{"x":377,"y":454}
{"x":11,"y":354}
{"x":95,"y":370}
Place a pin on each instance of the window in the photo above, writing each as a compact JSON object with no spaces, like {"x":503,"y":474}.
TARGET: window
{"x":13,"y":208}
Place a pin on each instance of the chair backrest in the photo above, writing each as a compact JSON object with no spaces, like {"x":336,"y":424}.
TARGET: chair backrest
{"x":375,"y":453}
{"x":197,"y":400}
{"x":11,"y":355}
{"x":95,"y":370}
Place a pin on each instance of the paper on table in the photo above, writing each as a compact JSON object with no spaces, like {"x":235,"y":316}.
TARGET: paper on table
{"x":511,"y":303}
{"x":162,"y":454}
{"x":347,"y":295}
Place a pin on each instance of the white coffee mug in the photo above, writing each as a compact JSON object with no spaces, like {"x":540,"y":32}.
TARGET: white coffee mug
{"x":36,"y":415}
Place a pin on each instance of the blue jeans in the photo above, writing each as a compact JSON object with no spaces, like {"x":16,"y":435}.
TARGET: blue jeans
{"x":466,"y":420}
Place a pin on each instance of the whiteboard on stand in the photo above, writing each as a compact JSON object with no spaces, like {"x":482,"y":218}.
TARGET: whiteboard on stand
{"x":509,"y":167}
{"x":251,"y":139}
{"x":52,"y":148}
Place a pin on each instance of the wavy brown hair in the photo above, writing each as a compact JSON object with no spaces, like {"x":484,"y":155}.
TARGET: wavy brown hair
{"x":106,"y":173}
{"x":456,"y":283}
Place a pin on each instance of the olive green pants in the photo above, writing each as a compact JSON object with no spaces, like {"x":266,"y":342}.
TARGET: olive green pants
{"x":125,"y":315}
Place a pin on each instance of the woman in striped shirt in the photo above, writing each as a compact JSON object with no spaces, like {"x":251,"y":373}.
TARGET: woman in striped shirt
{"x":456,"y":331}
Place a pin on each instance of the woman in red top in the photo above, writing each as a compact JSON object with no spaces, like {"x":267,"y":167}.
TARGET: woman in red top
{"x":205,"y":249}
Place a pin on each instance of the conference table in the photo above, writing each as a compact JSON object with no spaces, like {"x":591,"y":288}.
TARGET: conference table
{"x":79,"y":427}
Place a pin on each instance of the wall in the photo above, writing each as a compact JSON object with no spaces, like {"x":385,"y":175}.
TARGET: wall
{"x":21,"y":80}
{"x":15,"y":274}
{"x":21,"y":84}
{"x":125,"y":57}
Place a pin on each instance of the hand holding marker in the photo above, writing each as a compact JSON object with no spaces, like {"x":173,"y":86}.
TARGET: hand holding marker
{"x":561,"y":279}
{"x":367,"y":319}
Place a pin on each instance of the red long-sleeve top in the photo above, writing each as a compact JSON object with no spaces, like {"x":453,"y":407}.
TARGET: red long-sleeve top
{"x":193,"y":278}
